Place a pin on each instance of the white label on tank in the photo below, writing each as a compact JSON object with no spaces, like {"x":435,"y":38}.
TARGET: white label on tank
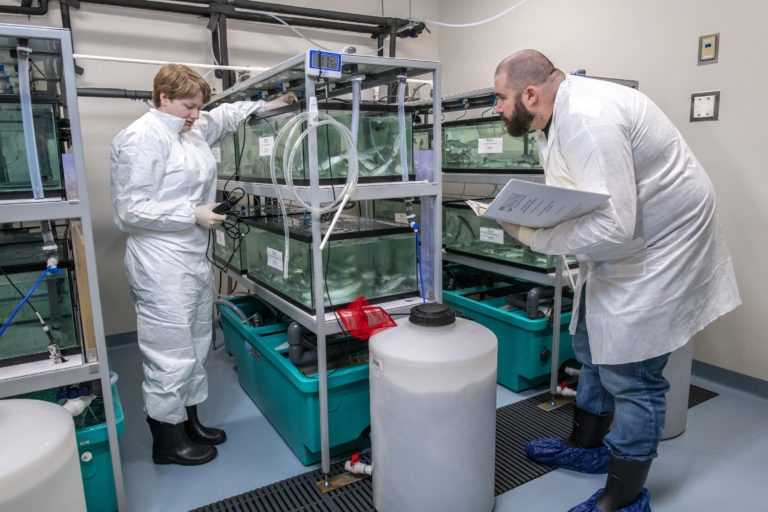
{"x":265,"y":145}
{"x":401,"y":218}
{"x":275,"y":259}
{"x":216,"y":154}
{"x":492,"y":145}
{"x":220,"y":237}
{"x":377,"y":363}
{"x":495,"y":236}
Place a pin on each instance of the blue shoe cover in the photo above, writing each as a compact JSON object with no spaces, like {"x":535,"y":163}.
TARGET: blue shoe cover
{"x":554,"y":452}
{"x":643,"y":504}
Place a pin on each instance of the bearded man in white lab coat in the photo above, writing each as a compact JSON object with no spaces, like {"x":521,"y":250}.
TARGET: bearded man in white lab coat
{"x":654,"y":268}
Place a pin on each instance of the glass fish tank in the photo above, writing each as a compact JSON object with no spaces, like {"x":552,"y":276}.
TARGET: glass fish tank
{"x":229,"y":251}
{"x":393,"y":210}
{"x":364,"y":257}
{"x":483,"y":145}
{"x":14,"y":169}
{"x":23,"y":261}
{"x":466,"y":233}
{"x":225,"y":153}
{"x":378,"y":145}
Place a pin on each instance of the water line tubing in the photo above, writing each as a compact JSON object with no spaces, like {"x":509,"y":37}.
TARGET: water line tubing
{"x":401,"y":124}
{"x":418,"y":255}
{"x":8,"y":322}
{"x":314,"y":119}
{"x":28,"y":122}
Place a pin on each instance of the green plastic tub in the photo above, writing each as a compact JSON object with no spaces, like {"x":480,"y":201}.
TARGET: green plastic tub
{"x":289,"y":399}
{"x":525,"y":345}
{"x":96,"y":462}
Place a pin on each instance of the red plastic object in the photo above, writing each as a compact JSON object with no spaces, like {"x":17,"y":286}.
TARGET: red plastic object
{"x":363,"y":320}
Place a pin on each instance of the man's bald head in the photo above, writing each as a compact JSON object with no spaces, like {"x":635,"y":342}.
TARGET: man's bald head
{"x":524,"y":68}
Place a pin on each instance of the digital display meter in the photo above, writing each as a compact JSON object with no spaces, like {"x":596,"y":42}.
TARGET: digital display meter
{"x":325,"y":64}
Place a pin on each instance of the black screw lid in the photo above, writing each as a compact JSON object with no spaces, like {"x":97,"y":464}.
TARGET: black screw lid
{"x":432,"y":314}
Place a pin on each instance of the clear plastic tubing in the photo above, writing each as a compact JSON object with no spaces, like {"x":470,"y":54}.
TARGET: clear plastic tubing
{"x":401,"y":122}
{"x":29,"y":127}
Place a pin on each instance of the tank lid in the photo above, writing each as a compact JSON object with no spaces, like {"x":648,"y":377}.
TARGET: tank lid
{"x":432,"y":314}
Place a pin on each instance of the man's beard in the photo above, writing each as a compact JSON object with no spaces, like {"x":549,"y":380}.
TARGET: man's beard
{"x":520,"y":123}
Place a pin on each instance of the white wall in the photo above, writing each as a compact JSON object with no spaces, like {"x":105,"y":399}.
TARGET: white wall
{"x":115,"y":32}
{"x":655,"y":42}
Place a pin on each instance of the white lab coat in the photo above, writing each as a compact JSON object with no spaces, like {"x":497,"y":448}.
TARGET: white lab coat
{"x":655,"y":263}
{"x":159,"y":176}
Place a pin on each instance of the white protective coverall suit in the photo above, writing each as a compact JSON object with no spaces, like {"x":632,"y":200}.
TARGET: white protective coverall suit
{"x":159,"y":176}
{"x":656,"y":265}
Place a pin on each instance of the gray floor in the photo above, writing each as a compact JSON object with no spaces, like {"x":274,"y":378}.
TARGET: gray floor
{"x":718,"y":464}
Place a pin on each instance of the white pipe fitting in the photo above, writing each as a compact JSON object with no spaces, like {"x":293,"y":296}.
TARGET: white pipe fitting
{"x":76,"y":406}
{"x":358,"y":467}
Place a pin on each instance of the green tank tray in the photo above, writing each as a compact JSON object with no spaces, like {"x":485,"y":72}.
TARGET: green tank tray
{"x":96,"y":461}
{"x":288,"y":398}
{"x":525,"y":345}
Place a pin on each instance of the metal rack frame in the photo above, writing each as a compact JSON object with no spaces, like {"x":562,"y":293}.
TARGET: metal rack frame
{"x":35,"y":376}
{"x":483,"y":98}
{"x":290,"y":76}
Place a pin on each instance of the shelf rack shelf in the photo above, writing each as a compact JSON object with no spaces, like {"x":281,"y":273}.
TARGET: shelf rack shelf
{"x":92,"y":365}
{"x":291,"y":75}
{"x":484,"y":99}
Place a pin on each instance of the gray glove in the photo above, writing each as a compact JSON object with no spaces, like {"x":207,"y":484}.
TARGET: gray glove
{"x":205,"y":217}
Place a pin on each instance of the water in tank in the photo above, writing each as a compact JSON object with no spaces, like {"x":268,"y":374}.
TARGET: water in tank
{"x":22,"y":261}
{"x":466,"y":233}
{"x":483,"y":145}
{"x":433,"y":413}
{"x":14,"y":171}
{"x":378,"y":146}
{"x":364,"y":257}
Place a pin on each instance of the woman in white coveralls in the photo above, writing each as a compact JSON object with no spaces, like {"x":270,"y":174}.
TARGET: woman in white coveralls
{"x":163,"y":189}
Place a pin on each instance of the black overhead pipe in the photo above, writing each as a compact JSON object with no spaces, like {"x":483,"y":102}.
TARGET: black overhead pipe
{"x":95,"y":92}
{"x":24,"y":8}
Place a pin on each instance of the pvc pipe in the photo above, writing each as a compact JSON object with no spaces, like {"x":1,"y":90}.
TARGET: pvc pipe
{"x":76,"y":406}
{"x":150,"y":61}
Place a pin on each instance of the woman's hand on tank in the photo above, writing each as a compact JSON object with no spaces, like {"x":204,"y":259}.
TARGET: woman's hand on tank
{"x":285,"y":99}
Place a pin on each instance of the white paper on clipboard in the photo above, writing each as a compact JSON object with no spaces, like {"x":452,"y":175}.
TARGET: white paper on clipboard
{"x":536,"y":205}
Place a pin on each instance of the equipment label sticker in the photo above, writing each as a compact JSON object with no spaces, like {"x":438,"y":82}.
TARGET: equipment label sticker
{"x":216,"y":154}
{"x":265,"y":145}
{"x":401,"y":218}
{"x":220,"y":237}
{"x":275,"y":259}
{"x":377,"y":363}
{"x":495,"y":236}
{"x":492,"y":145}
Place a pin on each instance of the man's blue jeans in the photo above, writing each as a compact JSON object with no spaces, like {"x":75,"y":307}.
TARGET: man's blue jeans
{"x":635,"y":392}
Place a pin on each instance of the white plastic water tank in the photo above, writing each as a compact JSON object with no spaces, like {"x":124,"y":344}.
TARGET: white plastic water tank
{"x":39,"y":466}
{"x":433,"y":413}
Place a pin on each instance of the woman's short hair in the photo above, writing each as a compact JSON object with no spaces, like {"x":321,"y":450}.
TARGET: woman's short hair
{"x":179,"y":81}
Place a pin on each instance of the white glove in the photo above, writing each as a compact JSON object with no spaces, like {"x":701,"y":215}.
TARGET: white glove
{"x":205,"y":217}
{"x":512,"y":229}
{"x":282,"y":101}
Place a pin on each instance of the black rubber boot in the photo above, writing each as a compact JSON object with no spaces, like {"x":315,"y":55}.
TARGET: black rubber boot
{"x":624,"y":485}
{"x":198,"y":433}
{"x":170,"y":445}
{"x":588,"y":429}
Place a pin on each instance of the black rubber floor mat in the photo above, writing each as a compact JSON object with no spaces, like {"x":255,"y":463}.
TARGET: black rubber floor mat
{"x":516,"y":424}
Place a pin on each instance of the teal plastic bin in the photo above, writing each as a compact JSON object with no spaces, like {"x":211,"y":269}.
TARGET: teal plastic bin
{"x":525,"y":345}
{"x":289,"y":399}
{"x":96,"y":462}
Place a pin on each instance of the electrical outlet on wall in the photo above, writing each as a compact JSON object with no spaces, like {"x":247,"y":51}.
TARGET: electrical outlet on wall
{"x":705,"y":106}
